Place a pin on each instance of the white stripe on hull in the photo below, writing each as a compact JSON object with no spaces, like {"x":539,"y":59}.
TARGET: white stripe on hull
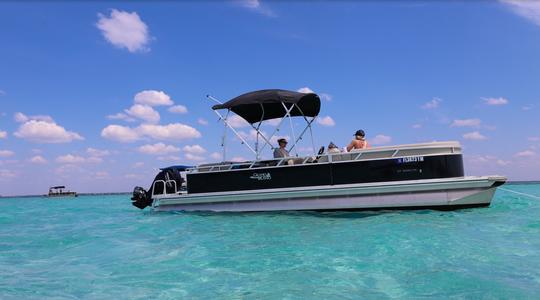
{"x":427,"y":193}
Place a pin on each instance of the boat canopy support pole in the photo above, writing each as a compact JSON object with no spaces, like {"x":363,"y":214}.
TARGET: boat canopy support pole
{"x":287,"y":113}
{"x":292,"y":128}
{"x":257,"y":151}
{"x":224,"y":119}
{"x":308,"y":122}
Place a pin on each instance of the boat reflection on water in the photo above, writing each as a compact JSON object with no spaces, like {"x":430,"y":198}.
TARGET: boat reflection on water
{"x":414,"y":176}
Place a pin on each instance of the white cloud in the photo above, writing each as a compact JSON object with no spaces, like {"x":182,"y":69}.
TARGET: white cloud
{"x":6,"y":153}
{"x":3,"y":134}
{"x":526,"y":153}
{"x":256,"y":6}
{"x":120,"y":133}
{"x":251,"y":135}
{"x":216,"y":155}
{"x":70,"y":159}
{"x":194,"y":149}
{"x":381,"y":139}
{"x":173,"y":131}
{"x":529,"y":10}
{"x":169,"y":158}
{"x":97,"y":152}
{"x":100,"y":175}
{"x":466,"y":123}
{"x":153,"y":98}
{"x":68,"y":170}
{"x":432,"y":104}
{"x":501,"y":162}
{"x":143,"y":112}
{"x":193,"y":157}
{"x":236,"y":121}
{"x":45,"y":132}
{"x":495,"y":101}
{"x":487,"y":159}
{"x":121,"y":116}
{"x":475,"y":136}
{"x":416,"y":126}
{"x":533,"y":139}
{"x":94,"y":159}
{"x":158,"y":149}
{"x":7,"y":174}
{"x":132,"y":176}
{"x":138,"y":164}
{"x":202,"y":121}
{"x":38,"y":159}
{"x":305,"y":90}
{"x":238,"y":159}
{"x":326,"y":121}
{"x":124,"y":30}
{"x":21,"y":118}
{"x":273,"y":122}
{"x":178,"y":109}
{"x":325,"y":96}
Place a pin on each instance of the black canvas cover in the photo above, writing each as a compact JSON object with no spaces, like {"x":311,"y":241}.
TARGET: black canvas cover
{"x":266,"y":104}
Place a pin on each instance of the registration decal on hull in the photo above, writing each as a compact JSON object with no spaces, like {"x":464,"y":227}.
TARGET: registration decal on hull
{"x":410,"y":159}
{"x":261,"y":176}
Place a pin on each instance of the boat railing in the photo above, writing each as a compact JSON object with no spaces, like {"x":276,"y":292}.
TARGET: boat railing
{"x":436,"y":148}
{"x":160,"y":187}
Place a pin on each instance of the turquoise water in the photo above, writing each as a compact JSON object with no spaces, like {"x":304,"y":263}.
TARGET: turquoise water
{"x":100,"y":247}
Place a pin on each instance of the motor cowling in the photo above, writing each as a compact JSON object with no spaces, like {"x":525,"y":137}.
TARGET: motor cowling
{"x":140,"y":198}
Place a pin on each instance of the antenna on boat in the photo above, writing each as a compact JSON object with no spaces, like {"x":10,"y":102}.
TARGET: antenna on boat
{"x":224,"y":137}
{"x":213,"y":99}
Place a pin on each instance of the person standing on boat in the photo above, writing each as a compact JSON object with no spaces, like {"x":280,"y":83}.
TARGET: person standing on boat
{"x":359,"y":141}
{"x":281,"y":151}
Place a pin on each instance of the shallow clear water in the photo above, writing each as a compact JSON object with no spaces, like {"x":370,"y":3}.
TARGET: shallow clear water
{"x":100,"y":247}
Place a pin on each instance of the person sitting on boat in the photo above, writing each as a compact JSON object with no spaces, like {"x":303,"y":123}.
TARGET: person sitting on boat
{"x":332,"y":148}
{"x":281,"y":151}
{"x":359,"y":141}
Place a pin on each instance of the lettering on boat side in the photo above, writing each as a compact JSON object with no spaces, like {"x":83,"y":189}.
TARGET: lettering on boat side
{"x":261,"y":176}
{"x":409,"y":159}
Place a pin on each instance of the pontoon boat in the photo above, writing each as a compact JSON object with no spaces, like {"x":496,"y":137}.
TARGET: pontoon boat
{"x":415,"y":176}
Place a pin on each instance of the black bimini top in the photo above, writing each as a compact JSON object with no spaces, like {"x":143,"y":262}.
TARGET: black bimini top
{"x":267,"y":104}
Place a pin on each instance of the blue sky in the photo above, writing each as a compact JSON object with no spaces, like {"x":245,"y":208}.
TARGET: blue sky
{"x":98,"y":95}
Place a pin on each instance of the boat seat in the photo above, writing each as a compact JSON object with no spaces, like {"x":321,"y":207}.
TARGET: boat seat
{"x":343,"y":156}
{"x":323,"y":158}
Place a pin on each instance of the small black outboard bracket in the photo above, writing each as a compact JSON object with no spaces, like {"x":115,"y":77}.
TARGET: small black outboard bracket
{"x":140,"y":198}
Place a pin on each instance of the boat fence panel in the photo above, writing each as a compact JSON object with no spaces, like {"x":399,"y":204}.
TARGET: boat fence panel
{"x":161,"y":187}
{"x":436,"y":148}
{"x":414,"y":152}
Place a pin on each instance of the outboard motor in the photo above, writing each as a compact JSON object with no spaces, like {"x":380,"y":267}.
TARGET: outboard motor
{"x":140,"y":198}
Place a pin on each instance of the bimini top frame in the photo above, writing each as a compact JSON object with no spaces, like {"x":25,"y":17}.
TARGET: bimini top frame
{"x":258,"y":106}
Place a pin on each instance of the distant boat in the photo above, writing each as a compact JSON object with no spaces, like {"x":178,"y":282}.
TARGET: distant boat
{"x":58,"y":191}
